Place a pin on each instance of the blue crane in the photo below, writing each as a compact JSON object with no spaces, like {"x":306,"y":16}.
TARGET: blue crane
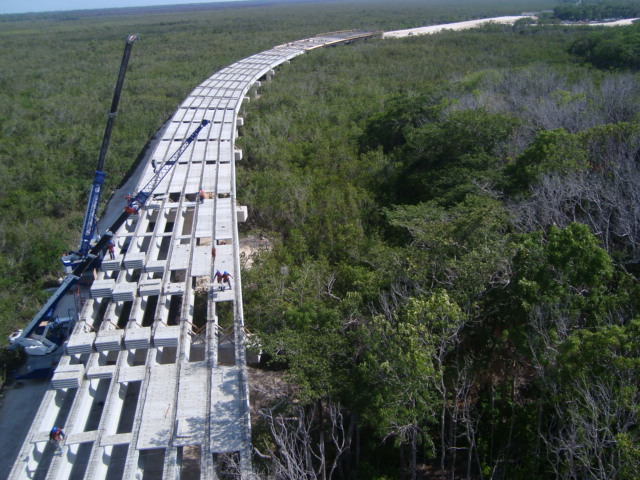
{"x":138,"y":200}
{"x":43,"y":346}
{"x":70,"y":260}
{"x":91,"y":249}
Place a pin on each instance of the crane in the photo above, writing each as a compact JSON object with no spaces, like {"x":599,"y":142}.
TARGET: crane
{"x":39,"y":344}
{"x":69,"y":261}
{"x":138,"y":200}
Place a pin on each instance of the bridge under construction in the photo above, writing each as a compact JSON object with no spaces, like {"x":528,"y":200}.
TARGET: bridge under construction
{"x":153,"y":382}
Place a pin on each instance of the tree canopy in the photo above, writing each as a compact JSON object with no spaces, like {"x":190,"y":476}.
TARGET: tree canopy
{"x":452,"y":289}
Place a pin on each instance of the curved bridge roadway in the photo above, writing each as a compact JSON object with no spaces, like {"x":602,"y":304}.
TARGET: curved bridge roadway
{"x":154,"y":384}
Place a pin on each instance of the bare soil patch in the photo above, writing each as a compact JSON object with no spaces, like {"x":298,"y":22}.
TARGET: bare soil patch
{"x":266,"y":387}
{"x":251,"y":247}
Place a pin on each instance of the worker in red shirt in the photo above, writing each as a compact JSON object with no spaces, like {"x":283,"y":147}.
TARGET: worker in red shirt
{"x":225,"y":278}
{"x":56,"y":436}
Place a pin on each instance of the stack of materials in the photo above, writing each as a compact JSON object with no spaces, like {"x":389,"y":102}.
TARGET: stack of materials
{"x":150,"y":287}
{"x":124,"y":292}
{"x":134,"y":260}
{"x":102,"y":288}
{"x":80,"y":343}
{"x":109,"y":340}
{"x":101,"y":371}
{"x":155,"y":266}
{"x":110,"y":265}
{"x":139,"y":337}
{"x":67,"y":376}
{"x":166,"y":336}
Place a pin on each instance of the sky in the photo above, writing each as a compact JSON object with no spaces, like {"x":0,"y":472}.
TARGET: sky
{"x":24,"y":6}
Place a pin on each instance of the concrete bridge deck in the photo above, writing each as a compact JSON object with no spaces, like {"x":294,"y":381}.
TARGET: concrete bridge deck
{"x":155,"y":372}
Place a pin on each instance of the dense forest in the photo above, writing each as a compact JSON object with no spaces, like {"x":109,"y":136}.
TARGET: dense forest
{"x":57,"y":73}
{"x":597,"y":10}
{"x":452,"y":290}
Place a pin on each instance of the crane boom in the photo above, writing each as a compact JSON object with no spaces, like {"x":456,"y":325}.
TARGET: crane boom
{"x":134,"y":206}
{"x":142,"y":196}
{"x":91,"y":213}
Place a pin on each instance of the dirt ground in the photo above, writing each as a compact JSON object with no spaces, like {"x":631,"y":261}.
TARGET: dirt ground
{"x":251,"y":247}
{"x":265,"y":388}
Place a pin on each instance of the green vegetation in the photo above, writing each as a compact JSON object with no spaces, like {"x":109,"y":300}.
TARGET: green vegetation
{"x":452,"y":290}
{"x":57,"y":72}
{"x":597,"y":10}
{"x":619,"y":49}
{"x":455,"y":248}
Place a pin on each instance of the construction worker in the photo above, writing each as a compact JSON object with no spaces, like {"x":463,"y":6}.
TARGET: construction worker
{"x":56,"y":436}
{"x":201,"y":194}
{"x":218,"y":276}
{"x":153,"y":165}
{"x":225,"y":278}
{"x":112,"y":249}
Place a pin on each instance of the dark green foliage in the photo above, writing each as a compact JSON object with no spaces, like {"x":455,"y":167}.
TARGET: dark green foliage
{"x":402,"y":113}
{"x":315,"y":351}
{"x":10,"y":360}
{"x":459,"y":247}
{"x":552,"y":151}
{"x":619,"y":49}
{"x":442,"y":166}
{"x":442,"y":160}
{"x":422,"y":276}
{"x":598,"y":10}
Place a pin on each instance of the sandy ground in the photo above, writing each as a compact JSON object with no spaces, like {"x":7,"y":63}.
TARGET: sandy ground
{"x":252,"y":246}
{"x":265,"y":388}
{"x":453,"y":26}
{"x":617,"y":23}
{"x":476,"y":23}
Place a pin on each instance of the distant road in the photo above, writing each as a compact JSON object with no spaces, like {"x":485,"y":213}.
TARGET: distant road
{"x":476,"y":23}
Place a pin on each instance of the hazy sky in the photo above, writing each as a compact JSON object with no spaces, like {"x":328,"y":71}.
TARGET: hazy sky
{"x":23,"y":6}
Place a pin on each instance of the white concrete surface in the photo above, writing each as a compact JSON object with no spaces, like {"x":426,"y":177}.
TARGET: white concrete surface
{"x":153,"y":316}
